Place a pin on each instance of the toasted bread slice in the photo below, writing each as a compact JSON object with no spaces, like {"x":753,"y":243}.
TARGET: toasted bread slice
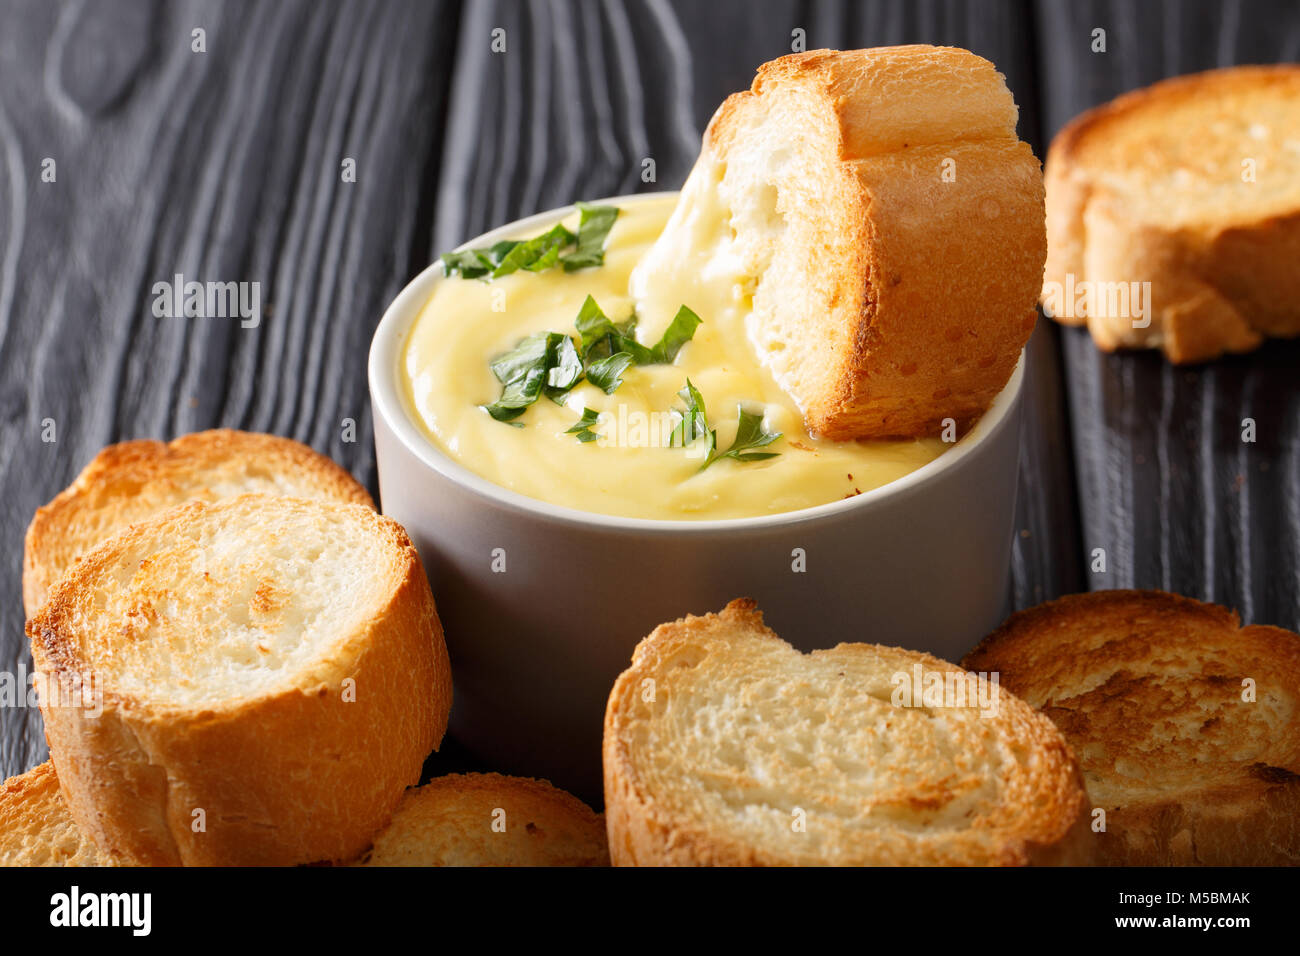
{"x":135,"y":480}
{"x":889,"y":224}
{"x":726,"y":746}
{"x":1148,"y":688}
{"x":35,"y":826}
{"x":271,"y":673}
{"x":485,"y":819}
{"x":1210,"y":218}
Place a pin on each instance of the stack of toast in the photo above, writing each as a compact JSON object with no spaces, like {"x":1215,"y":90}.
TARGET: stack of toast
{"x":216,"y":624}
{"x":1132,"y":728}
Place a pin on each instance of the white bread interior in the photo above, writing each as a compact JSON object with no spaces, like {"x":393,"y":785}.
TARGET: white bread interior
{"x":269,"y":667}
{"x":887,"y":296}
{"x":721,"y":736}
{"x":135,"y":480}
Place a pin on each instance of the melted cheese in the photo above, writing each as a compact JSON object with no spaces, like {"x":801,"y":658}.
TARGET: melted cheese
{"x":630,"y":471}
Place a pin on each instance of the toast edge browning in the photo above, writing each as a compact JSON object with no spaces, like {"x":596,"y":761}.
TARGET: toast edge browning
{"x":133,"y":775}
{"x":642,"y":834}
{"x":881,"y":388}
{"x":1249,"y":825}
{"x":47,"y":530}
{"x":1205,"y":322}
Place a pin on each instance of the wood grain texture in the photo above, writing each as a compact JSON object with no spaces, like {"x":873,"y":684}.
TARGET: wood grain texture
{"x":1166,"y":485}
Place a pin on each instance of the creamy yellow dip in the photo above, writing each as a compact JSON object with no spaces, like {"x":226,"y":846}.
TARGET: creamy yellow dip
{"x":629,"y":471}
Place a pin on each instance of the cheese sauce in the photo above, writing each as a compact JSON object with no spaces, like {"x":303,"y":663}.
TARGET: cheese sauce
{"x":629,"y":471}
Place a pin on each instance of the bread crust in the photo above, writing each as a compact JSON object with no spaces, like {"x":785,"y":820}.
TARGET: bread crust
{"x":450,"y":822}
{"x":1050,"y":829}
{"x":293,"y":774}
{"x":1217,"y":286}
{"x":1147,"y":687}
{"x":133,"y":480}
{"x":925,"y":315}
{"x":35,"y":826}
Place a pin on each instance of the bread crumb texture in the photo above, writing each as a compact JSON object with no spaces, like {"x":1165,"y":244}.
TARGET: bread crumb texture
{"x":1186,"y":724}
{"x":1202,"y":230}
{"x":725,"y":745}
{"x":275,"y":663}
{"x":35,"y":826}
{"x":135,"y":480}
{"x":891,"y":223}
{"x":486,"y":819}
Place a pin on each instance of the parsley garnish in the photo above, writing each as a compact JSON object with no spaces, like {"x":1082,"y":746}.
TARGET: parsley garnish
{"x":680,"y":331}
{"x":594,"y":225}
{"x":541,"y":252}
{"x":694,"y":424}
{"x":607,"y":373}
{"x":600,"y":337}
{"x":567,"y":370}
{"x":749,"y":434}
{"x":523,"y":373}
{"x":583,"y":427}
{"x":550,"y":364}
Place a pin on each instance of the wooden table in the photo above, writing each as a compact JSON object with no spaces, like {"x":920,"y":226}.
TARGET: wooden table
{"x":228,"y":164}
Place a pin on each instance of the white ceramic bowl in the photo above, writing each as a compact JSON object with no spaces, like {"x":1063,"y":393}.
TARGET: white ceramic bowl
{"x":921,"y":563}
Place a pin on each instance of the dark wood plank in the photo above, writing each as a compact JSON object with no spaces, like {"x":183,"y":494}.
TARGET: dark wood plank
{"x":223,"y":166}
{"x":1166,"y":485}
{"x":585,"y":92}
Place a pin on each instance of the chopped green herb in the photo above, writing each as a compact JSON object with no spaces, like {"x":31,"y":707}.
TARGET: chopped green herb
{"x":606,"y":373}
{"x":680,"y":331}
{"x":601,"y":337}
{"x":541,"y":252}
{"x":749,"y":434}
{"x":550,"y":363}
{"x":594,"y":224}
{"x":469,"y":263}
{"x":534,"y":254}
{"x":594,"y":330}
{"x":694,"y":422}
{"x":566,"y":372}
{"x":477,"y":263}
{"x":523,"y":373}
{"x":583,"y":428}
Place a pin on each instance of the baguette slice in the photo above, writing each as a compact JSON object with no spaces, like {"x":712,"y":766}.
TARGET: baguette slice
{"x":485,"y":819}
{"x":888,"y":222}
{"x":1191,"y":185}
{"x":1147,"y":688}
{"x":271,"y":673}
{"x":720,"y":737}
{"x":135,"y":480}
{"x":35,"y":826}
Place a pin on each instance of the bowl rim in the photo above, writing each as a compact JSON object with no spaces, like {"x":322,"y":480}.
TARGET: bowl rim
{"x":388,"y":403}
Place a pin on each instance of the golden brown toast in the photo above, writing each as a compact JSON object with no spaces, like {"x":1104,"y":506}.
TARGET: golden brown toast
{"x":1151,"y":691}
{"x":1191,"y":185}
{"x":888,"y":225}
{"x":267,"y":677}
{"x":35,"y":826}
{"x":485,"y":819}
{"x":725,"y":746}
{"x":135,"y":480}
